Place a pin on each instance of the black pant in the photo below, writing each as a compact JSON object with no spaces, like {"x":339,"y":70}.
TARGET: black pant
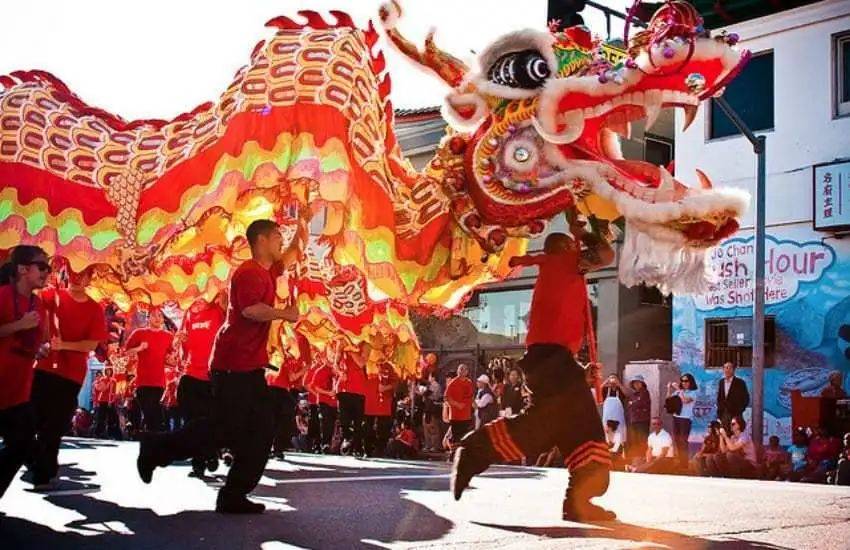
{"x":327,"y":418}
{"x":460,"y":428}
{"x":562,"y":414}
{"x":241,"y":421}
{"x":397,"y":449}
{"x":284,"y":418}
{"x":351,"y":409}
{"x":54,"y":400}
{"x":17,"y":427}
{"x":314,"y":428}
{"x":149,"y":400}
{"x":106,"y":421}
{"x":376,"y":434}
{"x":681,"y":433}
{"x":194,"y":399}
{"x":842,"y":472}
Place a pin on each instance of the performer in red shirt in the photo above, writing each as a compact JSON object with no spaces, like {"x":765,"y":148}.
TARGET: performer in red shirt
{"x":322,"y":384}
{"x":104,"y":399}
{"x":22,"y":331}
{"x":563,"y":412}
{"x":404,"y":446}
{"x":79,"y":326}
{"x":281,"y":384}
{"x":242,"y":414}
{"x":460,"y":393}
{"x":379,"y":410}
{"x":151,"y":345}
{"x":314,"y":426}
{"x":351,"y":396}
{"x":196,"y":336}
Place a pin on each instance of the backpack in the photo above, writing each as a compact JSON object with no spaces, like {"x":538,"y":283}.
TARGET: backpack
{"x":673,"y":404}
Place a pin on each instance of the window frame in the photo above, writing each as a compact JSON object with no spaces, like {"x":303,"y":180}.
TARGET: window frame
{"x":669,"y":143}
{"x":840,"y":109}
{"x":710,"y":108}
{"x":741,"y":351}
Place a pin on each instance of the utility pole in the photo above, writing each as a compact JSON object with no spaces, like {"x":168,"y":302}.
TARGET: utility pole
{"x":760,"y":148}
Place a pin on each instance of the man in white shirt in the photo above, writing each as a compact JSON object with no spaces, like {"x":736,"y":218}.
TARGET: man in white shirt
{"x":659,"y":451}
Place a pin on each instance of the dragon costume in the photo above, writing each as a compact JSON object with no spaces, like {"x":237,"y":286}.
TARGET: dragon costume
{"x":304,"y":135}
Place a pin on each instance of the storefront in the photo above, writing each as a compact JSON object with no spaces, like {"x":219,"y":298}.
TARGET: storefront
{"x":807,"y":297}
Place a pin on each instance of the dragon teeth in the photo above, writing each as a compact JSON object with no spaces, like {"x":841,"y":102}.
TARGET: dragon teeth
{"x":690,"y":115}
{"x":653,"y":100}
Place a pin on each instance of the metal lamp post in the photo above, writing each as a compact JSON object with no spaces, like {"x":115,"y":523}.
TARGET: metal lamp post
{"x":760,"y":148}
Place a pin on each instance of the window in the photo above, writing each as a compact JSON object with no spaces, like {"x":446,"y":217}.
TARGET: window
{"x":504,"y":314}
{"x":841,"y":55}
{"x":731,"y":340}
{"x":651,"y":296}
{"x":659,"y":150}
{"x":750,"y":95}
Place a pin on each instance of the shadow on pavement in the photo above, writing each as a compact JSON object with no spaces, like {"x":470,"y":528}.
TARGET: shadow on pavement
{"x":337,"y":515}
{"x":635,"y":533}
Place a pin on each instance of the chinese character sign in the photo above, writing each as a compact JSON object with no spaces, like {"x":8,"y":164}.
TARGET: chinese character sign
{"x":832,"y":195}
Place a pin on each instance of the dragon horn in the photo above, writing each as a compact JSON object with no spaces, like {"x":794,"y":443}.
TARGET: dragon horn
{"x":449,"y":68}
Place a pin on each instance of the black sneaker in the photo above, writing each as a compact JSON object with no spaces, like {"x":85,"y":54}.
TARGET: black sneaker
{"x":146,"y":463}
{"x":586,"y":512}
{"x":238,"y":505}
{"x":212,"y":464}
{"x":345,"y":448}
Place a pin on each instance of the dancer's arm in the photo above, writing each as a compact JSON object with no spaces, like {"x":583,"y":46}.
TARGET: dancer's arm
{"x":262,"y":312}
{"x":82,"y":346}
{"x":527,"y":260}
{"x":597,"y":251}
{"x":28,"y":320}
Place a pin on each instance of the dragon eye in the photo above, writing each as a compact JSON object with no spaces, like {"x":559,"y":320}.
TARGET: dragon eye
{"x":526,"y":70}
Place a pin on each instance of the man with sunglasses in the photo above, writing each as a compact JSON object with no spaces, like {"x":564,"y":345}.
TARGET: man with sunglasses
{"x":21,"y":335}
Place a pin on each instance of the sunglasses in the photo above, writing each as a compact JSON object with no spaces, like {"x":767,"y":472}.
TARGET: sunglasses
{"x":44,"y":267}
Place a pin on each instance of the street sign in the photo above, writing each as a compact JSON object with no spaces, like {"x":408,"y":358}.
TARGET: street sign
{"x":832,"y":196}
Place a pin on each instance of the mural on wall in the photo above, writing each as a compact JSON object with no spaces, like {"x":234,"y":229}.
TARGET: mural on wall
{"x":807,"y":280}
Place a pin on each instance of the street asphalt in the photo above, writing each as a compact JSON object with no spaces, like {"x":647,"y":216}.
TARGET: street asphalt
{"x":341,"y":502}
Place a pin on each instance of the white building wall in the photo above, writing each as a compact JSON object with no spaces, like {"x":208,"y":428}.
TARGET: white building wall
{"x":805,"y":132}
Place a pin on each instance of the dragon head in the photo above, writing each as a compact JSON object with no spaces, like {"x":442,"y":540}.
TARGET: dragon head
{"x":538,"y":134}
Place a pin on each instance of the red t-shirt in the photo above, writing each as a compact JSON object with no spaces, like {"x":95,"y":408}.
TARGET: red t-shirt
{"x":17,"y":350}
{"x":150,"y":371}
{"x":378,"y":403}
{"x":559,"y":304}
{"x":77,"y":321}
{"x":104,"y":390}
{"x":323,"y":378}
{"x":241,"y":343}
{"x":460,"y":389}
{"x":408,"y":437}
{"x":201,"y":325}
{"x":281,"y":378}
{"x":355,"y":378}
